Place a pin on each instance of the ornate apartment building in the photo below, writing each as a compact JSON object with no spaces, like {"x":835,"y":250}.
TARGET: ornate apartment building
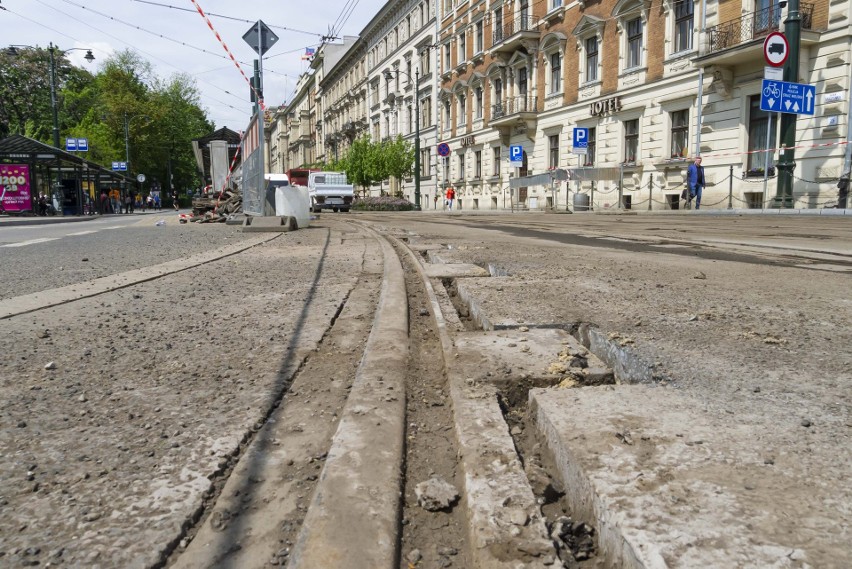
{"x":522,"y":72}
{"x":656,"y":82}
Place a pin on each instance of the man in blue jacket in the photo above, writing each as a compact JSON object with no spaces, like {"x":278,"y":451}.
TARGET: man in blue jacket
{"x":695,"y":181}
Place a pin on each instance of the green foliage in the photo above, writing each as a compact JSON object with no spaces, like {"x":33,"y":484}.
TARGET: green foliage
{"x":384,"y":203}
{"x":367,"y":163}
{"x":162,"y":115}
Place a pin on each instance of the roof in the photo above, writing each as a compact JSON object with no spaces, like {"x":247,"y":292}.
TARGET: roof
{"x":23,"y":148}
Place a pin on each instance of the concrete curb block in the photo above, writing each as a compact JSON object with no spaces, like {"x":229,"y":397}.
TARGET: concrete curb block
{"x":49,"y":298}
{"x":585,"y":502}
{"x":354,"y":516}
{"x":506,"y":529}
{"x":626,"y":366}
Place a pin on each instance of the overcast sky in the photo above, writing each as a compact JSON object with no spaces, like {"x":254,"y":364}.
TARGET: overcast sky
{"x":173,"y":37}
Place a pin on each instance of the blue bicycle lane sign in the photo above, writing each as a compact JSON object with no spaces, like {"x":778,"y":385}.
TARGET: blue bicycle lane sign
{"x":786,"y":97}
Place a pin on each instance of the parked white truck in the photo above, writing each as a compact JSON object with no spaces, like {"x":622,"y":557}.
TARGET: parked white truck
{"x":330,"y":190}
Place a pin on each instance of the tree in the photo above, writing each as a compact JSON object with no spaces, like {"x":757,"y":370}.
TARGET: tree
{"x":398,"y":158}
{"x":362,"y":163}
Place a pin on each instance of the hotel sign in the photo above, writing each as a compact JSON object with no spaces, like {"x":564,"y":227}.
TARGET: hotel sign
{"x":605,"y":107}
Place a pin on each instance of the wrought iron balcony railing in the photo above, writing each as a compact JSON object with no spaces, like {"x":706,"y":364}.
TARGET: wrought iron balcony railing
{"x":752,"y":26}
{"x":512,"y":105}
{"x":519,"y":24}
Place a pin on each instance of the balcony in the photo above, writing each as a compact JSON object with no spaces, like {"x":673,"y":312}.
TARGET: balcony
{"x":515,"y":115}
{"x":509,"y":37}
{"x":741,"y":40}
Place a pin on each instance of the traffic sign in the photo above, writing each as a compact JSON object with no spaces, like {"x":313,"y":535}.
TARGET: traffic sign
{"x":122,"y":165}
{"x":83,"y":144}
{"x":516,"y":154}
{"x":785,"y":97}
{"x":443,"y":149}
{"x":71,"y":144}
{"x":262,"y":41}
{"x":776,"y":49}
{"x":581,"y":141}
{"x":116,"y":165}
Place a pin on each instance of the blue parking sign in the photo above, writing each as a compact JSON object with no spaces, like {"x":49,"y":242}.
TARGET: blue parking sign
{"x":516,"y":153}
{"x":581,"y":140}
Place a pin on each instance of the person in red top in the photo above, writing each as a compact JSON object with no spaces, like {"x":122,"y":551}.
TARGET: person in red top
{"x":451,"y":196}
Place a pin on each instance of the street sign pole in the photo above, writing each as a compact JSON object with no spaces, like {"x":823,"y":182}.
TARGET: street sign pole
{"x":784,"y":193}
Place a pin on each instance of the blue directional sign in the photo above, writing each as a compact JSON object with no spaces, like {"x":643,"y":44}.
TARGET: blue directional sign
{"x":71,"y":144}
{"x":581,"y":140}
{"x":786,"y":97}
{"x":516,"y":154}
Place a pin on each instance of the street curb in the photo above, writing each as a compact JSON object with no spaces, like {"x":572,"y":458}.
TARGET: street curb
{"x":55,"y":220}
{"x":354,"y":517}
{"x":55,"y":297}
{"x":505,"y":526}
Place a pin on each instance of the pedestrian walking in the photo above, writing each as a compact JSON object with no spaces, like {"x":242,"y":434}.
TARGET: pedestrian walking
{"x":128,"y":203}
{"x":451,"y":196}
{"x":149,"y":202}
{"x":175,"y":201}
{"x":115,"y":200}
{"x":695,"y":182}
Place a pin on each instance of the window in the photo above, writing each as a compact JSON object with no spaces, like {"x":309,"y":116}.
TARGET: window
{"x":525,"y":14}
{"x":425,"y":67}
{"x":479,"y":37}
{"x":683,"y":25}
{"x":426,"y":112}
{"x":462,"y":48}
{"x":410,"y":115}
{"x":478,"y":102}
{"x":555,"y":73}
{"x":447,"y":116}
{"x":408,"y":75}
{"x":462,"y":118}
{"x":554,"y":4}
{"x":522,"y":81}
{"x":408,"y":26}
{"x":680,"y":133}
{"x":553,"y":161}
{"x":447,"y":63}
{"x":495,"y":166}
{"x":426,"y":162}
{"x":631,"y":141}
{"x":758,"y":121}
{"x":445,"y":166}
{"x":590,"y":151}
{"x":477,"y":164}
{"x":634,"y":43}
{"x":461,"y":166}
{"x":374,"y":95}
{"x":498,"y":25}
{"x":592,"y":59}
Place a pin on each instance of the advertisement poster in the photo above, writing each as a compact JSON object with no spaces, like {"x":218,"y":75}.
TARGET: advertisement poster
{"x":15,"y":187}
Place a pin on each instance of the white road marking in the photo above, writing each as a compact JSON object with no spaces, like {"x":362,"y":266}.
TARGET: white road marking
{"x":32,"y":242}
{"x":81,"y":233}
{"x":115,"y":227}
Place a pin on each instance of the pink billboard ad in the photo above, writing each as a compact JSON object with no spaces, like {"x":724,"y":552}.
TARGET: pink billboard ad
{"x":15,"y":187}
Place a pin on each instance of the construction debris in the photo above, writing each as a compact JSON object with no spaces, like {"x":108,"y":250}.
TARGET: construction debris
{"x":217,"y":208}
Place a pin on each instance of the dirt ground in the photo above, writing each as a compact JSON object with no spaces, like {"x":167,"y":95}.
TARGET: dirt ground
{"x":760,"y":344}
{"x":150,"y":391}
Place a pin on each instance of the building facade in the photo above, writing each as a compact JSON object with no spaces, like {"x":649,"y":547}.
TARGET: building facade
{"x":520,"y":72}
{"x":655,"y":82}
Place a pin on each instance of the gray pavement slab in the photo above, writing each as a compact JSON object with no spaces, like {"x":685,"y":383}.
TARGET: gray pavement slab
{"x":673,"y":483}
{"x":454,"y":270}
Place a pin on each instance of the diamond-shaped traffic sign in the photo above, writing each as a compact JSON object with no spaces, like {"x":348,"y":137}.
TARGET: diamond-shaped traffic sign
{"x":260,"y":42}
{"x":786,"y":97}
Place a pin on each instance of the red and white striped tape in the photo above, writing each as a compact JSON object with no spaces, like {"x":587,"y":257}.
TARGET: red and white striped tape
{"x":763,"y":151}
{"x":228,"y":51}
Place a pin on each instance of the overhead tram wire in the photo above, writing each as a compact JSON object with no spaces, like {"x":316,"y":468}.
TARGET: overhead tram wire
{"x":144,"y":52}
{"x":342,"y":17}
{"x":161,"y":36}
{"x":226,"y":17}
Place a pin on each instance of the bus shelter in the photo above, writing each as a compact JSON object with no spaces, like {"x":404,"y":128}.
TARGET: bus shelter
{"x":72,"y":184}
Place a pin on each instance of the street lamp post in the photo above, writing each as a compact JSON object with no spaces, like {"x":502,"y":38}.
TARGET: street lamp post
{"x":389,"y":76}
{"x":52,"y":49}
